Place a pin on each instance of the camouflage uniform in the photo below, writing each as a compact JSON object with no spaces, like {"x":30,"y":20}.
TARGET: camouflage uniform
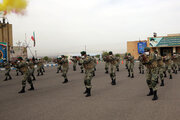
{"x":59,"y":64}
{"x":23,"y":66}
{"x":65,"y":68}
{"x":141,"y":66}
{"x":126,"y":60}
{"x":31,"y":69}
{"x":118,"y":62}
{"x":106,"y":64}
{"x":74,"y":60}
{"x":160,"y":69}
{"x":95,"y":63}
{"x":168,"y":63}
{"x":131,"y":66}
{"x":7,"y":71}
{"x":113,"y":62}
{"x":81,"y":65}
{"x":39,"y":67}
{"x":175,"y":63}
{"x":150,"y":61}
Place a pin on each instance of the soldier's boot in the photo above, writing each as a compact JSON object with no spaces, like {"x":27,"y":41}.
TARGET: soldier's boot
{"x":106,"y":72}
{"x":5,"y":79}
{"x":162,"y":83}
{"x":128,"y":73}
{"x":150,"y":92}
{"x":22,"y":90}
{"x":132,"y":76}
{"x":42,"y":73}
{"x":175,"y":71}
{"x":17,"y":74}
{"x":95,"y":69}
{"x":88,"y":92}
{"x":157,"y":80}
{"x":139,"y":70}
{"x":57,"y":71}
{"x":32,"y":88}
{"x":165,"y":74}
{"x":93,"y":73}
{"x":170,"y":77}
{"x":114,"y":82}
{"x":155,"y":97}
{"x":33,"y":77}
{"x":118,"y":69}
{"x":74,"y":69}
{"x":179,"y":69}
{"x":82,"y":71}
{"x":10,"y":77}
{"x":21,"y":73}
{"x":38,"y":74}
{"x":65,"y":81}
{"x":143,"y":72}
{"x":85,"y":92}
{"x":111,"y":81}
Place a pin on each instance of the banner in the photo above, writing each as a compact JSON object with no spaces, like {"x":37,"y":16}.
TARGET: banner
{"x":3,"y":51}
{"x":164,"y":41}
{"x":141,"y":46}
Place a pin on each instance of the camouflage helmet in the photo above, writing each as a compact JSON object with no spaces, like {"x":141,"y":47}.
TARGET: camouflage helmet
{"x":129,"y":54}
{"x":83,"y":53}
{"x":147,"y":49}
{"x":62,"y":56}
{"x":110,"y":52}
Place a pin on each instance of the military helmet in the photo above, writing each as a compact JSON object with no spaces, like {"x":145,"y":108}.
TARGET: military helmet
{"x":62,"y":56}
{"x":147,"y":49}
{"x":156,"y":51}
{"x":20,"y":58}
{"x":110,"y":52}
{"x":83,"y":53}
{"x":129,"y":53}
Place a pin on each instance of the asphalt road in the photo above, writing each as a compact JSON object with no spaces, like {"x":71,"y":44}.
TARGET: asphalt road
{"x":53,"y":100}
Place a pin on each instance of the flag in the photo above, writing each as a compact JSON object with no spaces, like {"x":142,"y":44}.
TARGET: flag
{"x":33,"y":38}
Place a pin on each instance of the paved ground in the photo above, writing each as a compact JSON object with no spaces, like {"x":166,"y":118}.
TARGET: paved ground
{"x":54,"y":101}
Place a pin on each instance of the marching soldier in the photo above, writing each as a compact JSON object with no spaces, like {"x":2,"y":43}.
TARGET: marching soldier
{"x":160,"y":68}
{"x":7,"y":66}
{"x":17,"y":70}
{"x":105,"y":58}
{"x":141,"y":66}
{"x":42,"y":65}
{"x":95,"y":63}
{"x":175,"y":63}
{"x":23,"y":66}
{"x":130,"y":60}
{"x":81,"y":65}
{"x":59,"y":64}
{"x":88,"y":64}
{"x":31,"y":67}
{"x":65,"y":68}
{"x":126,"y":59}
{"x":113,"y":62}
{"x":150,"y":61}
{"x":168,"y":63}
{"x":39,"y":67}
{"x":74,"y":60}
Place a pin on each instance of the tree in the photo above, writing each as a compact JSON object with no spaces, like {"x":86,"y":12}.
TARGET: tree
{"x":117,"y":55}
{"x":46,"y":58}
{"x":105,"y":53}
{"x":98,"y":56}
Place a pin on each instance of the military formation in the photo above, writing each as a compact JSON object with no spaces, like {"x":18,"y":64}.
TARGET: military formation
{"x":157,"y":68}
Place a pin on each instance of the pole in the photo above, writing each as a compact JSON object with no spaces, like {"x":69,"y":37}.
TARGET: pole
{"x":85,"y":47}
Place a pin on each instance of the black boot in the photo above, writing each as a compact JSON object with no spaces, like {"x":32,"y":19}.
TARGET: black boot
{"x":118,"y":69}
{"x":143,"y":72}
{"x":150,"y":92}
{"x":139,"y":70}
{"x":176,"y":72}
{"x":17,"y":74}
{"x":129,"y":75}
{"x":82,"y":71}
{"x":114,"y":82}
{"x":88,"y":92}
{"x":5,"y":79}
{"x":157,"y":80}
{"x":170,"y":77}
{"x":57,"y":71}
{"x":10,"y":77}
{"x":22,"y":90}
{"x":162,"y":83}
{"x":106,"y":72}
{"x":33,"y":77}
{"x":93,"y":73}
{"x":85,"y":92}
{"x":165,"y":74}
{"x":132,"y":76}
{"x":32,"y":88}
{"x":38,"y":74}
{"x":155,"y":97}
{"x":65,"y":81}
{"x":179,"y":69}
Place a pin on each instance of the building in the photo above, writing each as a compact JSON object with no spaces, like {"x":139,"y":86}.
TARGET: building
{"x":163,"y":44}
{"x":19,"y":51}
{"x":6,"y":35}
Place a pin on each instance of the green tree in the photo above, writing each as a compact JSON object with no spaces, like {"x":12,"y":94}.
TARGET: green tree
{"x":98,"y":56}
{"x":117,"y":55}
{"x":46,"y":58}
{"x":105,"y":53}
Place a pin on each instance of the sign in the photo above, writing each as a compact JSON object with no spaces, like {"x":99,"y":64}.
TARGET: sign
{"x":164,"y":41}
{"x":3,"y":51}
{"x":141,"y":46}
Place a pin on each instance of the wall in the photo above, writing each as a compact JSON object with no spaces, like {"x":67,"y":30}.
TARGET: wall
{"x":133,"y":48}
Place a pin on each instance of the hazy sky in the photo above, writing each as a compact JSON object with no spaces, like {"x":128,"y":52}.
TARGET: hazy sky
{"x":66,"y":26}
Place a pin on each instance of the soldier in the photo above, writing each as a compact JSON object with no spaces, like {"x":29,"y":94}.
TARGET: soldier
{"x":175,"y":63}
{"x":59,"y":64}
{"x":160,"y":68}
{"x":7,"y":66}
{"x":95,"y":63}
{"x":179,"y":61}
{"x":65,"y":68}
{"x":126,"y":59}
{"x":113,"y":62}
{"x":81,"y":64}
{"x":31,"y":67}
{"x":42,"y":65}
{"x":118,"y":62}
{"x":168,"y":63}
{"x":141,"y":66}
{"x":106,"y":64}
{"x":149,"y":60}
{"x":74,"y":60}
{"x":130,"y":60}
{"x":39,"y":67}
{"x":17,"y":70}
{"x":88,"y":64}
{"x":23,"y":66}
